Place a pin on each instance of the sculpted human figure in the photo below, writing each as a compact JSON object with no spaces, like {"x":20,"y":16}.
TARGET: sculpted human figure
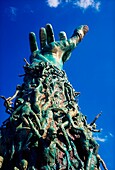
{"x":102,"y":162}
{"x":8,"y":101}
{"x":75,"y":154}
{"x":47,"y":147}
{"x":23,"y":109}
{"x":23,"y":165}
{"x":8,"y":105}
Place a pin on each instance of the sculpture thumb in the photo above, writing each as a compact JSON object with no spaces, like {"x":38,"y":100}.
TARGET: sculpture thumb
{"x":81,"y":31}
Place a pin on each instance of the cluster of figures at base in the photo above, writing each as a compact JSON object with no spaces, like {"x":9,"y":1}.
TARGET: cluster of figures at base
{"x":46,"y":129}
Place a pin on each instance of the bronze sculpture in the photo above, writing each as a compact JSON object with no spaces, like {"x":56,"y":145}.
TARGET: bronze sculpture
{"x":45,"y":129}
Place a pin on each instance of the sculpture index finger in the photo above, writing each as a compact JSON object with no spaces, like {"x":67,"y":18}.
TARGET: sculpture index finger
{"x":33,"y":42}
{"x":43,"y":37}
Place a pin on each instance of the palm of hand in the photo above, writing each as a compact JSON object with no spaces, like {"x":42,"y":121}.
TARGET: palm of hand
{"x":55,"y":52}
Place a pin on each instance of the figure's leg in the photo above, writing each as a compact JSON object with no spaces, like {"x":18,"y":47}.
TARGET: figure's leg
{"x":81,"y":164}
{"x":65,"y":134}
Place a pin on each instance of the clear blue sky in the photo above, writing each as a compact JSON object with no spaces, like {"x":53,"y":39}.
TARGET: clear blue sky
{"x":91,"y":66}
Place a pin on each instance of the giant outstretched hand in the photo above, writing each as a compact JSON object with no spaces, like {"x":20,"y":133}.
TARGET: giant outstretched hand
{"x":55,"y":52}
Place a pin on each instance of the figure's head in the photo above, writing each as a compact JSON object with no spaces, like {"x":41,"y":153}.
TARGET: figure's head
{"x":18,"y":87}
{"x":52,"y":133}
{"x":19,"y":102}
{"x":24,"y":164}
{"x":1,"y":161}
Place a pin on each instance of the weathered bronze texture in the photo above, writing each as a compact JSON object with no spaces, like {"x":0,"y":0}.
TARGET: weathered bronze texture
{"x":46,"y":129}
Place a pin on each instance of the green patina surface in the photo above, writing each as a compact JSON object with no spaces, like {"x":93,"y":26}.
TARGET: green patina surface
{"x":46,"y":129}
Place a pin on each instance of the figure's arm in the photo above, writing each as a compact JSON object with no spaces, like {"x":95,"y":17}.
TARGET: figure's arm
{"x":96,"y":130}
{"x":15,"y":168}
{"x":18,"y":87}
{"x":36,"y":132}
{"x":36,"y":119}
{"x":63,"y":149}
{"x":9,"y":99}
{"x":95,"y":119}
{"x":76,"y":155}
{"x":16,"y":111}
{"x":102,"y":162}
